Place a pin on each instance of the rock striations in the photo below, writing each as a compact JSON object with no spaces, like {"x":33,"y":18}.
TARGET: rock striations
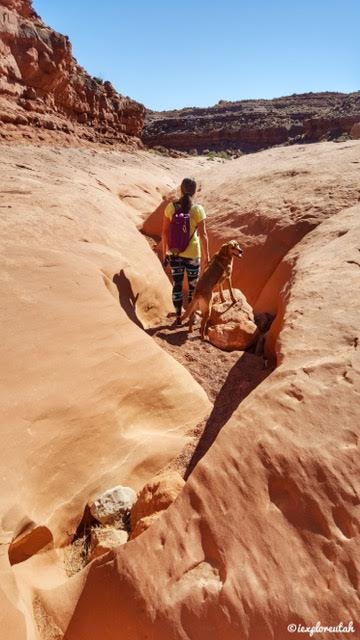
{"x":250,"y":125}
{"x":44,"y":89}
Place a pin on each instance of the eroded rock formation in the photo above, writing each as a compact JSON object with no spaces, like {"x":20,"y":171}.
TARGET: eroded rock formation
{"x":265,"y":532}
{"x":250,"y":125}
{"x":43,"y":88}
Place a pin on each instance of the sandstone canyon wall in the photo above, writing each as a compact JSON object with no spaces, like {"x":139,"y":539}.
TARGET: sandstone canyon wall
{"x":249,"y":125}
{"x":45,"y":93}
{"x":266,"y":531}
{"x":88,"y":398}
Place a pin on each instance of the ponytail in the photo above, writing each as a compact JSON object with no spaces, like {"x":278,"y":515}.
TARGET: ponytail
{"x":188,"y":188}
{"x":185,"y":202}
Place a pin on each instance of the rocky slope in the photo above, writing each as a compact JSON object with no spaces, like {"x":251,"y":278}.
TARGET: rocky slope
{"x":45,"y":93}
{"x":250,"y":125}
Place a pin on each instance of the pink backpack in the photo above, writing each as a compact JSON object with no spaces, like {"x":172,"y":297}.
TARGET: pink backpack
{"x":179,"y":231}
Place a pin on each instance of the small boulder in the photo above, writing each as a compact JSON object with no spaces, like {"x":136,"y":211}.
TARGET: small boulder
{"x":103,"y":539}
{"x":232,"y":325}
{"x":113,"y":505}
{"x":158,"y":494}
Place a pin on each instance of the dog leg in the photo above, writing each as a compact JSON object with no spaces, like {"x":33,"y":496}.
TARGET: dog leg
{"x":204,"y":323}
{"x":190,"y":312}
{"x":187,"y":312}
{"x":233,"y":299}
{"x":191,"y":320}
{"x":221,"y":292}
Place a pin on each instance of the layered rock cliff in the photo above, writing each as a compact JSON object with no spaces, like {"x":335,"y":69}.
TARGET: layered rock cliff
{"x":43,"y":88}
{"x":250,"y":125}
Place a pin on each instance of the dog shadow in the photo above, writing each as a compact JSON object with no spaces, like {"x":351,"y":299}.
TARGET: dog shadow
{"x":245,"y":375}
{"x":127,"y":298}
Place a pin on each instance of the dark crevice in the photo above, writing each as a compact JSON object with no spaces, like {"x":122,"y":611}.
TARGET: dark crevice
{"x":247,"y":373}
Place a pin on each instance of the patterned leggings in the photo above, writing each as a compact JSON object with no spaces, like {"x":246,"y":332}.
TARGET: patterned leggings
{"x":178,"y":267}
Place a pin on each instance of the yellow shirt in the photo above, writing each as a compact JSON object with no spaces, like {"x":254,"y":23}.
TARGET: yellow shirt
{"x":197,"y":214}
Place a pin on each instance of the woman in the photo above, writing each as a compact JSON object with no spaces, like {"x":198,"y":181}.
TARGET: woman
{"x":189,"y":259}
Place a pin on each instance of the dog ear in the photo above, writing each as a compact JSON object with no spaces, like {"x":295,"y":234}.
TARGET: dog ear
{"x":227,"y":247}
{"x":224,"y":249}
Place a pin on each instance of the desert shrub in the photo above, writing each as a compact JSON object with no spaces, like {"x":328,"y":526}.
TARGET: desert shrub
{"x":223,"y":155}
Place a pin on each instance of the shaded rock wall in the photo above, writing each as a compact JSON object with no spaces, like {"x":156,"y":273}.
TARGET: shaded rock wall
{"x":249,"y":125}
{"x":43,"y":86}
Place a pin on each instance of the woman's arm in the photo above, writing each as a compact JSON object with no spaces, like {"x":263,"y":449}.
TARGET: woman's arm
{"x":164,"y":237}
{"x":204,"y":241}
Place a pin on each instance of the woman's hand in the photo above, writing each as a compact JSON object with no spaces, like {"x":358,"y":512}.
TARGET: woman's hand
{"x":204,"y":244}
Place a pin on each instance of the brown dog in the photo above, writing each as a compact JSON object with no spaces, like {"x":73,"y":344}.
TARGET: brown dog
{"x":218,"y":270}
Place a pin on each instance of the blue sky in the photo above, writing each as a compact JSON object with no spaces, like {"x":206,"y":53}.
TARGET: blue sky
{"x":197,"y":52}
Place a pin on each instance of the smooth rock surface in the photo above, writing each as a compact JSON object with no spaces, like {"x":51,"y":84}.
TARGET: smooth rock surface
{"x":265,"y":530}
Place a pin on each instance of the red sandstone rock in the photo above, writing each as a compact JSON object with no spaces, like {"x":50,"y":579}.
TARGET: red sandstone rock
{"x":265,"y":534}
{"x":232,"y":326}
{"x":158,"y":494}
{"x":265,"y":531}
{"x":37,"y":62}
{"x":144,"y":523}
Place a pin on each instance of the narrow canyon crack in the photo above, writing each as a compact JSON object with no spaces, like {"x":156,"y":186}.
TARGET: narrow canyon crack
{"x":226,"y":377}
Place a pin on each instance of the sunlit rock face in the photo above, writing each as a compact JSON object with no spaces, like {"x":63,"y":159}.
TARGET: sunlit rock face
{"x":42,"y":87}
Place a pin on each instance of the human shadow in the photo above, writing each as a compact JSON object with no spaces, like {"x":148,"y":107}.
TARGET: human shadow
{"x":170,"y":333}
{"x":244,"y":376}
{"x":175,"y":338}
{"x":127,"y":298}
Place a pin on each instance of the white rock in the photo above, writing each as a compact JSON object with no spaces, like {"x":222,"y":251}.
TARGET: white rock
{"x":112,"y":505}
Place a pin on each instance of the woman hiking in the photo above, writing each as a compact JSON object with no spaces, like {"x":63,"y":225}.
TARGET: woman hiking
{"x":183,"y":237}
